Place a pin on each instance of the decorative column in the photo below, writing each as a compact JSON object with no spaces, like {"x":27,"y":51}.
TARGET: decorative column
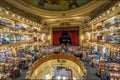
{"x":80,"y":34}
{"x":51,"y":36}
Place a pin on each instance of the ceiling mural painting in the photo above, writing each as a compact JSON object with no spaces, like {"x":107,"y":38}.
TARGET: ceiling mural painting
{"x":57,"y":5}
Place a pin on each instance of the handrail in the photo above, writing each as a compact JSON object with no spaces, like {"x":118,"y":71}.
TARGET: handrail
{"x":56,"y":56}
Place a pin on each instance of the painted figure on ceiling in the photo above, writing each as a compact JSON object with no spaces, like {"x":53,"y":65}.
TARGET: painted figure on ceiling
{"x":42,"y":2}
{"x":73,"y":3}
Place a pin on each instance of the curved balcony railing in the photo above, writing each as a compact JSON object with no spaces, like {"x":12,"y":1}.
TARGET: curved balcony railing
{"x":56,"y":57}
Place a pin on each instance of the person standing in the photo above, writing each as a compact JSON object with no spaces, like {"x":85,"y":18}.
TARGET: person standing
{"x":105,"y":76}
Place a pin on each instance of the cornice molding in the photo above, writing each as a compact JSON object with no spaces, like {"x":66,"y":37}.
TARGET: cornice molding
{"x":83,"y":10}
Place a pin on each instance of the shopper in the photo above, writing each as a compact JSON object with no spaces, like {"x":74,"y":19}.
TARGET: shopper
{"x":105,"y":76}
{"x":88,"y":59}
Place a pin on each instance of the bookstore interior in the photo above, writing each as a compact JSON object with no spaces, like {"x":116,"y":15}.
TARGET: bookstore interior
{"x":59,"y":39}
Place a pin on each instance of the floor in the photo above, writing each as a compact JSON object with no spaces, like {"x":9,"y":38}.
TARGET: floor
{"x":91,"y":73}
{"x":22,"y":76}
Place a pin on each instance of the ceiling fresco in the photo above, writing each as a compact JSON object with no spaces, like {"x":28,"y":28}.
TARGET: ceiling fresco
{"x":57,"y":5}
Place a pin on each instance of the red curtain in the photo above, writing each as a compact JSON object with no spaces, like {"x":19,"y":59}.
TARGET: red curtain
{"x":74,"y":37}
{"x":56,"y":36}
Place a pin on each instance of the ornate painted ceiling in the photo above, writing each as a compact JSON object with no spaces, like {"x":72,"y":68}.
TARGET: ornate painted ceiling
{"x":57,"y":5}
{"x":78,"y":8}
{"x":56,"y":12}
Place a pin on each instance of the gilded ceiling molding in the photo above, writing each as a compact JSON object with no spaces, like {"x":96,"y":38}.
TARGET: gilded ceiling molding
{"x":85,"y":9}
{"x":19,"y":11}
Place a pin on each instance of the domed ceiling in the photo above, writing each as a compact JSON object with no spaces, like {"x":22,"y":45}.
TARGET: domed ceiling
{"x":57,"y":5}
{"x":56,"y":12}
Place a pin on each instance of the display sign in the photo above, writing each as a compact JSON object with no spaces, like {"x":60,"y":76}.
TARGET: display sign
{"x":61,"y":61}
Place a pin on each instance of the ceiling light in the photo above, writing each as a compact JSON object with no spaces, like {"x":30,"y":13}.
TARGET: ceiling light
{"x":113,"y":8}
{"x":26,"y":20}
{"x":13,"y":15}
{"x":30,"y":22}
{"x":58,"y":77}
{"x":108,"y":12}
{"x":103,"y":14}
{"x":0,"y":9}
{"x":64,"y":78}
{"x":18,"y":17}
{"x":100,"y":16}
{"x":23,"y":19}
{"x":1,"y":17}
{"x":119,"y":4}
{"x":7,"y":12}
